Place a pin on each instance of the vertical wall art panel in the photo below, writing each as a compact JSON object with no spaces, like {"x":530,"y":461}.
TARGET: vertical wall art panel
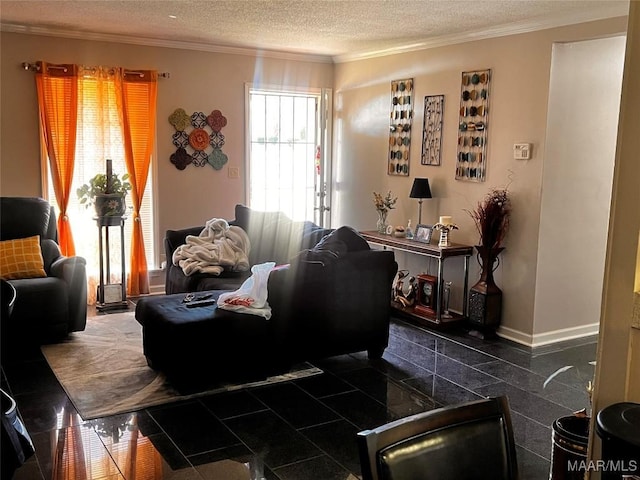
{"x":473,"y":128}
{"x":400,"y":127}
{"x":432,"y":129}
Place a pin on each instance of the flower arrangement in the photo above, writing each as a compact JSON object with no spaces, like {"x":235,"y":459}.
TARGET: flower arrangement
{"x":491,"y":217}
{"x":384,"y":204}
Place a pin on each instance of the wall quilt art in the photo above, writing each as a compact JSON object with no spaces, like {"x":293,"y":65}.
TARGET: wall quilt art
{"x":400,"y":127}
{"x":198,"y":139}
{"x":472,"y":131}
{"x":432,"y":129}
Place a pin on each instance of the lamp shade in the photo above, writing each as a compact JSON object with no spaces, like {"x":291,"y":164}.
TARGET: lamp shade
{"x":420,"y":188}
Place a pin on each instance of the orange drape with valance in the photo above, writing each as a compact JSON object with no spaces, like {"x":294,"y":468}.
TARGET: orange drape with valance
{"x":57,"y":87}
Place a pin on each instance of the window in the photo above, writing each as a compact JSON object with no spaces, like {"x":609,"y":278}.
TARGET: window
{"x":99,"y":137}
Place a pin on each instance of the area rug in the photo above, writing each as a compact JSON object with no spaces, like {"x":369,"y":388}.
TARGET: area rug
{"x":104,"y":372}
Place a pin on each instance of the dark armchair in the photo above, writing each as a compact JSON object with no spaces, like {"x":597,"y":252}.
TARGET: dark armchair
{"x":459,"y":442}
{"x":46,"y":308}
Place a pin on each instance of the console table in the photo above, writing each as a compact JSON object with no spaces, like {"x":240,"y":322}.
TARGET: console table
{"x":432,"y":251}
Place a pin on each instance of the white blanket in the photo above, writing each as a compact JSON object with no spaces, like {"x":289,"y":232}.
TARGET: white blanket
{"x":252,"y":295}
{"x":218,"y":247}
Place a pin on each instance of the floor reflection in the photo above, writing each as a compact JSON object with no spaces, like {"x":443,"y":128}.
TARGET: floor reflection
{"x":304,"y":429}
{"x":116,"y":448}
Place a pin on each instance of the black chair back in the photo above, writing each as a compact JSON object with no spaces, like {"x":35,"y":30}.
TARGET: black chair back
{"x":472,"y":440}
{"x":22,"y":217}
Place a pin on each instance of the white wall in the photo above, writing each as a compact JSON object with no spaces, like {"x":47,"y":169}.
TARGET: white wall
{"x":582,"y":122}
{"x":521,"y":66}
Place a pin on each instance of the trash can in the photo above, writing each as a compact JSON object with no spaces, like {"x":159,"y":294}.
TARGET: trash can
{"x":570,"y":439}
{"x":15,"y":444}
{"x":618,"y":426}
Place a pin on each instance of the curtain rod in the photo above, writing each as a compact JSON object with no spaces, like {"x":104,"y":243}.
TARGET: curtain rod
{"x":33,"y":67}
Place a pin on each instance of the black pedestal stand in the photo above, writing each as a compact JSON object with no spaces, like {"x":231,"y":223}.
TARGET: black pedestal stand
{"x":485,"y":311}
{"x":485,"y":297}
{"x":110,"y":296}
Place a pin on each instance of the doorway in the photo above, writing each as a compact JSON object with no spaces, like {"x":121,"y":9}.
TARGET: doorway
{"x":582,"y":127}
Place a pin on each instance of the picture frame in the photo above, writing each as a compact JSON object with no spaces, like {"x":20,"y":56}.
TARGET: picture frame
{"x":423,"y":233}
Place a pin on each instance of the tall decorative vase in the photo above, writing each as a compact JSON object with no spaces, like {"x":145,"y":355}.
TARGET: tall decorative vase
{"x":381,"y":224}
{"x":485,"y":297}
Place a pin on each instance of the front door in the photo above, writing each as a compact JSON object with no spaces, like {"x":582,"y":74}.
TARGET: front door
{"x":288,"y":166}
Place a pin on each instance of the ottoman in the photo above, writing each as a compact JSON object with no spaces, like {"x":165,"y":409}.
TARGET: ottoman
{"x":203,"y":346}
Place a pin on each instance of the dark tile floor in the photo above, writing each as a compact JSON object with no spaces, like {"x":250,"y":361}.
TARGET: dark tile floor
{"x":303,"y":429}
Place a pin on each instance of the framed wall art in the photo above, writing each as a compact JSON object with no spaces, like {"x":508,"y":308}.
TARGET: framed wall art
{"x":198,"y":139}
{"x":432,"y":130}
{"x":471,"y":164}
{"x":400,"y":127}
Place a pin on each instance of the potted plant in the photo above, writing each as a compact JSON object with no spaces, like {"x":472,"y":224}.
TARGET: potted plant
{"x":491,"y":217}
{"x":106,"y":192}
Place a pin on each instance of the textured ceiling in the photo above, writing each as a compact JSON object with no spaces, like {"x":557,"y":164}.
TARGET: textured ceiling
{"x":323,"y":27}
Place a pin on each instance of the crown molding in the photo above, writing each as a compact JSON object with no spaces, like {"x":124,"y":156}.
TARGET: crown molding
{"x":156,"y":42}
{"x":441,"y":41}
{"x":493,"y":32}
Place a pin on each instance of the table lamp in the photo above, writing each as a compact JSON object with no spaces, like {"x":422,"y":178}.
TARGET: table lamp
{"x":420,"y":190}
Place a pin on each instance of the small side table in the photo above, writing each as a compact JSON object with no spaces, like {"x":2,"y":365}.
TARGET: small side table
{"x":110,"y":295}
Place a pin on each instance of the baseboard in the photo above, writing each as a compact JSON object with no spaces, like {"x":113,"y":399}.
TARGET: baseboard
{"x":538,"y":340}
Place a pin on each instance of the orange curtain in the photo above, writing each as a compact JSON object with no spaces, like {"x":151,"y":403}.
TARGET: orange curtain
{"x":57,"y":87}
{"x":137,"y":93}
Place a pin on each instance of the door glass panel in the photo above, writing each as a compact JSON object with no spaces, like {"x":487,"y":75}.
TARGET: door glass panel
{"x":285,"y":134}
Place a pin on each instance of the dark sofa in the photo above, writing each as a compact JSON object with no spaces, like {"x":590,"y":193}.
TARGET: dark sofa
{"x":333,"y":297}
{"x":46,"y":308}
{"x":273,"y":236}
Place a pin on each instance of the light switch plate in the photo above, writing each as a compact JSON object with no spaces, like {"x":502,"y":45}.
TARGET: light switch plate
{"x":233,"y":172}
{"x":521,"y":151}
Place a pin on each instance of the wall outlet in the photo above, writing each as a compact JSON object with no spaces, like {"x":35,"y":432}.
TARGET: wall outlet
{"x":233,"y":172}
{"x":521,"y":151}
